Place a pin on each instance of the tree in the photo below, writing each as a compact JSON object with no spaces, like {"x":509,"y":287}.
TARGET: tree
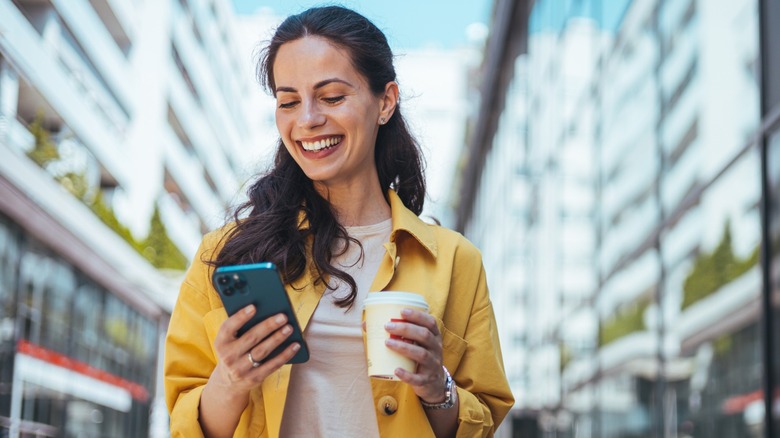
{"x":159,"y":249}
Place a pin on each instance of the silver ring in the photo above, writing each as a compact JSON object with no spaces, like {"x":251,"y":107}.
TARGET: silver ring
{"x":252,"y":360}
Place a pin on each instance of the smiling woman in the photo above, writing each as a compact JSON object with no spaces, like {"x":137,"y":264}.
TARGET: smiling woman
{"x":328,"y":118}
{"x":338,"y":214}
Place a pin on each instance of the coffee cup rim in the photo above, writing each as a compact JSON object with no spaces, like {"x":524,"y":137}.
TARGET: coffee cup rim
{"x":396,"y":297}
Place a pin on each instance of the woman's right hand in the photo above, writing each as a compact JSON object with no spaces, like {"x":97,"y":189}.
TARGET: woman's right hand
{"x":226,"y":393}
{"x":235,"y":370}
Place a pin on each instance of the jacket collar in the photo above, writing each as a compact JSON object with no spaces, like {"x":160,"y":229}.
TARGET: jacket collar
{"x":405,"y":220}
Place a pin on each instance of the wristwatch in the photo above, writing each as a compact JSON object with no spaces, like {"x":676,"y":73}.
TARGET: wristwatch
{"x":450,"y":394}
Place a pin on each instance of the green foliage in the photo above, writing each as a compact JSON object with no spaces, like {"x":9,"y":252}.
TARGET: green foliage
{"x":117,"y":330}
{"x":45,"y":150}
{"x":723,"y":344}
{"x":158,"y":247}
{"x":106,"y":214}
{"x":627,"y":319}
{"x":564,"y":356}
{"x":76,"y":184}
{"x":713,"y":270}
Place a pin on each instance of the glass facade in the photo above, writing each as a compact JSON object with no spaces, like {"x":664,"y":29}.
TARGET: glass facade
{"x":81,"y":362}
{"x":770,"y":39}
{"x":639,"y":167}
{"x":773,"y":167}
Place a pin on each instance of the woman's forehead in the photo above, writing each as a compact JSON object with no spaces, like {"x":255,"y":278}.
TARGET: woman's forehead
{"x":310,"y":60}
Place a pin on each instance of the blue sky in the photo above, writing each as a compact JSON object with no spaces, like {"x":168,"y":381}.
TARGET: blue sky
{"x":551,"y":14}
{"x":407,"y":23}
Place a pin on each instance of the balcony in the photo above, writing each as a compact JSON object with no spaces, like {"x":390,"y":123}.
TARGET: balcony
{"x":38,"y":203}
{"x":117,"y":16}
{"x":187,"y":171}
{"x":100,"y":45}
{"x":47,"y":82}
{"x":199,"y":130}
{"x":724,"y":311}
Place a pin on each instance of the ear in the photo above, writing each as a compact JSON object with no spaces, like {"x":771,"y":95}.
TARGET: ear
{"x":388,"y":102}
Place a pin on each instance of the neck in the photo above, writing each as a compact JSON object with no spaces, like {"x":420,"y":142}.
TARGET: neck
{"x":356,"y":205}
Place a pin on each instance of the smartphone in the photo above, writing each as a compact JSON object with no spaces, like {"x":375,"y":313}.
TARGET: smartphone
{"x":259,"y":284}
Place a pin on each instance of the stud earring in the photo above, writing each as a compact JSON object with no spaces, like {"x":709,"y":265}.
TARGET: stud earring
{"x":382,"y":121}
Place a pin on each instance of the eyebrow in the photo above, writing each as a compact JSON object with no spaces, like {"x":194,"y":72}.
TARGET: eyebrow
{"x":318,"y":85}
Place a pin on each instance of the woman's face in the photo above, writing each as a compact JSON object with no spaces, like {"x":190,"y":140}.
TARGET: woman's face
{"x":326,"y":114}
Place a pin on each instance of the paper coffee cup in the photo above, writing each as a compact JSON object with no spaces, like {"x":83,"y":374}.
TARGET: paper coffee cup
{"x":381,"y":308}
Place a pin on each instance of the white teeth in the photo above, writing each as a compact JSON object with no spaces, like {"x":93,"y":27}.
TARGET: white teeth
{"x":321,"y":144}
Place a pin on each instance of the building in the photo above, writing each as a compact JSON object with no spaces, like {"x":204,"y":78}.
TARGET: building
{"x":619,"y":198}
{"x":118,"y":120}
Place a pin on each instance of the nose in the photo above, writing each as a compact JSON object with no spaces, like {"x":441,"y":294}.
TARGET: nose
{"x":310,"y":116}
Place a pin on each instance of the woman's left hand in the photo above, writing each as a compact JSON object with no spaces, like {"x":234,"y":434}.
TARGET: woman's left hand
{"x":428,"y":380}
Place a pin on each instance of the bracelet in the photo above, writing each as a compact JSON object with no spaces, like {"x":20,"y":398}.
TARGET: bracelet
{"x":450,"y":394}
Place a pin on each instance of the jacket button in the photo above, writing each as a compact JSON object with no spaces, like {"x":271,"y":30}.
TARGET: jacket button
{"x":387,"y":405}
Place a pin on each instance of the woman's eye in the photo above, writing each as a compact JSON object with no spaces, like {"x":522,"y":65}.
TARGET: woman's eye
{"x":332,"y":100}
{"x":285,"y":105}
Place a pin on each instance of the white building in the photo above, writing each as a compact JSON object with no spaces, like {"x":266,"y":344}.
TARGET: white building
{"x":619,"y":158}
{"x":146,"y":104}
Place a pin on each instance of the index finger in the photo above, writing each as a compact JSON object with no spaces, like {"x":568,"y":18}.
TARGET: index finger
{"x":237,"y":320}
{"x":422,"y":319}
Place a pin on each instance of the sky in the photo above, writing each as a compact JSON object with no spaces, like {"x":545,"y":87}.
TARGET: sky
{"x":551,"y":14}
{"x":407,"y":24}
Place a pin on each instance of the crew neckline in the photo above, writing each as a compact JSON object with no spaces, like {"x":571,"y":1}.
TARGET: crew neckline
{"x":369,"y":229}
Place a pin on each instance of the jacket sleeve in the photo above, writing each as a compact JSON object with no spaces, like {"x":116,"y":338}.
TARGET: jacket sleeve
{"x":189,"y":354}
{"x":189,"y":358}
{"x":483,"y":390}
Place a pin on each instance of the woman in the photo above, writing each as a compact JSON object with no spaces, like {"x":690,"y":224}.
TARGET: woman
{"x":338,"y":214}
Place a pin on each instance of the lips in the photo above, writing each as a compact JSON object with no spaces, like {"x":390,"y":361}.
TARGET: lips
{"x":323,"y":143}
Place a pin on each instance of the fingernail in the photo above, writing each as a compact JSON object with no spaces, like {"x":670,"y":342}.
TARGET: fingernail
{"x":390,"y":342}
{"x":406,"y":312}
{"x":249,"y":309}
{"x":391,"y":325}
{"x":286,"y":330}
{"x":296,"y":347}
{"x":280,"y":318}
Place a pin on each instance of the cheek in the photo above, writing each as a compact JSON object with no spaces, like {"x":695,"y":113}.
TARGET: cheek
{"x":283,"y":126}
{"x":280,"y":122}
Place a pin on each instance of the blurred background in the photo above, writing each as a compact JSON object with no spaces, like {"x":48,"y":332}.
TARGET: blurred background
{"x":616,"y":161}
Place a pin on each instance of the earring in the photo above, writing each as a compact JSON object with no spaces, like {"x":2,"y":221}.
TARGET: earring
{"x":381,"y":120}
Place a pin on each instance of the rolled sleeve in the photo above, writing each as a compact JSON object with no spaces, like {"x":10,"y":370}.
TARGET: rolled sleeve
{"x":483,"y":390}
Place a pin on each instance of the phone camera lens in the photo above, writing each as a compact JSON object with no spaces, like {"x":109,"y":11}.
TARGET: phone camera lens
{"x":223,"y":279}
{"x":238,"y":281}
{"x":228,"y":291}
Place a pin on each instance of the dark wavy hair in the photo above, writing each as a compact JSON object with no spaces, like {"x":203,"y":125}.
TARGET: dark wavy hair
{"x":287,"y":217}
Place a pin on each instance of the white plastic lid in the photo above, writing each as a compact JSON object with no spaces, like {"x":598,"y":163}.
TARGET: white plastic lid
{"x":393,"y":297}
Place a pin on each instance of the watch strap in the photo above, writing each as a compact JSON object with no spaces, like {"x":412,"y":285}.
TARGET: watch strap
{"x":450,"y":393}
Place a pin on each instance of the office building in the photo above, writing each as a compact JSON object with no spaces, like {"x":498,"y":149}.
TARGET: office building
{"x":124,"y":134}
{"x":628,"y":198}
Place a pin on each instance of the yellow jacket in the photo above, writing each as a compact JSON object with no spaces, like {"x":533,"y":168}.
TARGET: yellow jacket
{"x":430,"y":260}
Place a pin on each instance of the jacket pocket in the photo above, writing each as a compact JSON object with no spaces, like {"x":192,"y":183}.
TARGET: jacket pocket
{"x":453,"y":346}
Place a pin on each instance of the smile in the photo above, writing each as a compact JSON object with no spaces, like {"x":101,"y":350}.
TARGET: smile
{"x":325,"y":143}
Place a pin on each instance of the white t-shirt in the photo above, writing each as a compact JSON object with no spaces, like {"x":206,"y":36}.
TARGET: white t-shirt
{"x":330,"y":395}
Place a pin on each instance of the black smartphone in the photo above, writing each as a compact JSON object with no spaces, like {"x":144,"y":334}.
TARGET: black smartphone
{"x":261,"y":285}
